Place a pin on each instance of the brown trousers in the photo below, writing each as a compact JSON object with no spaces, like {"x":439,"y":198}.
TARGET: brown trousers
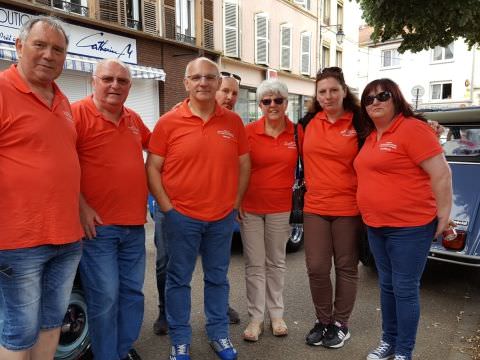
{"x":336,"y":237}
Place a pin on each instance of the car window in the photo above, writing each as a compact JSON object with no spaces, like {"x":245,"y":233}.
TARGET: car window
{"x":461,"y":141}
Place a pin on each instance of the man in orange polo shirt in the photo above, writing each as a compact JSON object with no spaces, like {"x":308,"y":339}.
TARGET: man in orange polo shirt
{"x":198,"y":170}
{"x":40,"y":184}
{"x":111,"y":139}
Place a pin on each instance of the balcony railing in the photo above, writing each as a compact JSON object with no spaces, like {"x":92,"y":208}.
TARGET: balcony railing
{"x":185,"y":38}
{"x":66,"y":6}
{"x":134,"y":24}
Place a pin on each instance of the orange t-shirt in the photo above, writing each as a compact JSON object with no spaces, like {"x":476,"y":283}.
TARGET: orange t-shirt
{"x":273,"y":169}
{"x":201,"y":167}
{"x":328,"y":153}
{"x":393,"y":190}
{"x":114,"y":181}
{"x":39,"y":170}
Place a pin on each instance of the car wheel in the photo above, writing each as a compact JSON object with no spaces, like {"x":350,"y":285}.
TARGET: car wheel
{"x":74,"y":340}
{"x":295,"y":240}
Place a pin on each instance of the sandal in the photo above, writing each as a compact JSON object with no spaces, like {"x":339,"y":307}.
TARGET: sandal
{"x":279,"y":328}
{"x":253,"y":331}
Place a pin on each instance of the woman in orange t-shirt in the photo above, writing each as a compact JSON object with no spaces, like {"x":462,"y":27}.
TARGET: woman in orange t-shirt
{"x":405,"y":197}
{"x":266,"y":207}
{"x":332,"y":224}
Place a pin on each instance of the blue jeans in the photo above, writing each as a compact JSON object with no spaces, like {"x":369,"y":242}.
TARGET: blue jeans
{"x":35,"y":287}
{"x":400,"y":255}
{"x":112,"y":271}
{"x":162,"y":258}
{"x":186,"y":238}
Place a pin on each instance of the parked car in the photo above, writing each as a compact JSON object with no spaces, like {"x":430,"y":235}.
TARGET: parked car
{"x":461,"y":143}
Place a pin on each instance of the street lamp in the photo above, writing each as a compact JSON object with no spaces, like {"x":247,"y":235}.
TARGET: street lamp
{"x":339,"y":35}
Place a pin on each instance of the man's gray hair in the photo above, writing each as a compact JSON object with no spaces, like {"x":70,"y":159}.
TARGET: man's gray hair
{"x":272,"y":86}
{"x":103,"y":62}
{"x":201,"y":58}
{"x":51,"y":21}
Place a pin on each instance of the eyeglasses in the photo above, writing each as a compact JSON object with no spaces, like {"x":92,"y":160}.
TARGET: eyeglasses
{"x":228,"y":74}
{"x":108,"y":80}
{"x":197,"y":77}
{"x":382,"y":97}
{"x":267,"y":102}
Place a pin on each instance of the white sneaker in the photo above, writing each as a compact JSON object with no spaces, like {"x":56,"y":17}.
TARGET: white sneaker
{"x":384,"y":351}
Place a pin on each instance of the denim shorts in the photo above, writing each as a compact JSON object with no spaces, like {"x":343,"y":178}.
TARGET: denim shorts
{"x":35,"y":286}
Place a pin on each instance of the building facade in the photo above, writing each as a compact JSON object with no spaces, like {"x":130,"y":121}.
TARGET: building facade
{"x":442,"y":77}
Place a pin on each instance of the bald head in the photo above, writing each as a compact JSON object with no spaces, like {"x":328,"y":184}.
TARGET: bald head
{"x":227,"y":95}
{"x":198,"y":61}
{"x":107,"y":62}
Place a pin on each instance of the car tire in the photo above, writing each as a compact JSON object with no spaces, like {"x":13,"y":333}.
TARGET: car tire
{"x":295,"y":240}
{"x":74,"y":343}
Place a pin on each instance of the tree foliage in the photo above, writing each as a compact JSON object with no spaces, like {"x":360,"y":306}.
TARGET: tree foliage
{"x":423,"y":24}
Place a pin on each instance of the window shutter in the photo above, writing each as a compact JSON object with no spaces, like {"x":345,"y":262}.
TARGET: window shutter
{"x":261,"y":39}
{"x":305,"y":44}
{"x":169,"y":19}
{"x":230,"y":20}
{"x":208,"y":24}
{"x":286,"y":46}
{"x":108,"y":10}
{"x":150,"y":17}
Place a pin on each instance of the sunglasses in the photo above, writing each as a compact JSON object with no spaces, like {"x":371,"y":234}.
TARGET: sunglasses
{"x":232,"y":75}
{"x":278,"y":101}
{"x":382,"y":97}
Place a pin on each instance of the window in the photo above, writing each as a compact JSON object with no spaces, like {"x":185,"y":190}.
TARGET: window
{"x":294,"y":111}
{"x":339,"y":56}
{"x":441,"y":91}
{"x":133,"y":14}
{"x":326,"y":12}
{"x":303,"y":3}
{"x":230,"y":20}
{"x":442,"y":53}
{"x":325,"y":56}
{"x":306,"y":44}
{"x":339,"y":14}
{"x":247,"y":106}
{"x":74,"y":6}
{"x":261,"y":38}
{"x":390,"y":58}
{"x":286,"y":46}
{"x":185,"y":19}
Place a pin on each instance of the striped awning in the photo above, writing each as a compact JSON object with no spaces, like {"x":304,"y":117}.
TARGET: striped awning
{"x":87,"y":64}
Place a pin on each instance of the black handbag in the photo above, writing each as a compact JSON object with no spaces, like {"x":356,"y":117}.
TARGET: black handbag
{"x":299,"y":188}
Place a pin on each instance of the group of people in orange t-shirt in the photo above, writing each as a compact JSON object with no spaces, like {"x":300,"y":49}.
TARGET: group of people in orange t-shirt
{"x":372,"y":159}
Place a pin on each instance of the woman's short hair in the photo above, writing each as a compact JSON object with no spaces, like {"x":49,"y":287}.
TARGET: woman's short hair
{"x":400,"y":104}
{"x":272,"y":86}
{"x":350,"y":102}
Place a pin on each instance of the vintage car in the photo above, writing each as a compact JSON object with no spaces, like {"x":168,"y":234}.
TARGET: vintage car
{"x":461,"y":143}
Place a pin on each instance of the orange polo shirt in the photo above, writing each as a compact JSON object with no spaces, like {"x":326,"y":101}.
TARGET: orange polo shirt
{"x":39,"y":170}
{"x":114,"y":181}
{"x":393,"y":190}
{"x":328,"y":153}
{"x":273,"y":169}
{"x":201,"y":167}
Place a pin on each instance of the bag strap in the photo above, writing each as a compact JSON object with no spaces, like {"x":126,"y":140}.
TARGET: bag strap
{"x":299,"y":175}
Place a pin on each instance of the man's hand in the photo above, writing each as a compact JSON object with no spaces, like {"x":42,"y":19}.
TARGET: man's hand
{"x":89,"y":218}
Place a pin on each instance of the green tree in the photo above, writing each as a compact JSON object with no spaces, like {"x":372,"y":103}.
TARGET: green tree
{"x":423,"y":24}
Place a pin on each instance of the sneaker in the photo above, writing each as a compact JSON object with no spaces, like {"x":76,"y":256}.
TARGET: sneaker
{"x":132,"y":355}
{"x":224,"y":349}
{"x":401,"y":357}
{"x":233,"y":316}
{"x":160,"y":326}
{"x":315,"y":336}
{"x":335,"y":336}
{"x":180,"y":352}
{"x":384,"y":351}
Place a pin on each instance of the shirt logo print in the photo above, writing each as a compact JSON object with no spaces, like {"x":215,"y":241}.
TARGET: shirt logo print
{"x":388,"y":146}
{"x":290,"y":144}
{"x":226,"y":134}
{"x":134,"y":129}
{"x":68,"y":116}
{"x":348,"y":132}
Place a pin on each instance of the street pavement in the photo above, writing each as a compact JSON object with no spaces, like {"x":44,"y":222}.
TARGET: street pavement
{"x":450,"y":300}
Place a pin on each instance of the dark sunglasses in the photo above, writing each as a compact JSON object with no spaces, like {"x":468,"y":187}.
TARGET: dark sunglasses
{"x":382,"y":97}
{"x":228,"y":74}
{"x":278,"y":101}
